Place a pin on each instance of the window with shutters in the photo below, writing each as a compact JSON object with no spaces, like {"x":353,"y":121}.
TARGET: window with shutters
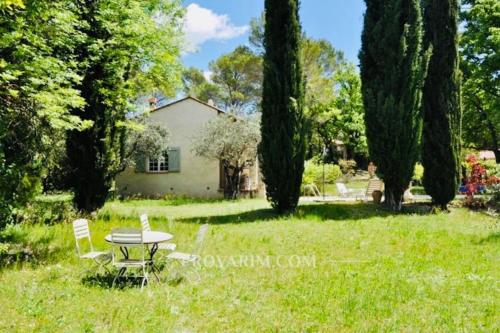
{"x":159,"y":164}
{"x":168,"y":162}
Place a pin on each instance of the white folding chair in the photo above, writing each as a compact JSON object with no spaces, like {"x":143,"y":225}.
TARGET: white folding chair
{"x":123,"y":240}
{"x":147,"y":227}
{"x":188,"y":260}
{"x":345,"y":192}
{"x":99,"y":258}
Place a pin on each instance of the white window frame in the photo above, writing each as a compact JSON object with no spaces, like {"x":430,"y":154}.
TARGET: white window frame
{"x":157,"y":170}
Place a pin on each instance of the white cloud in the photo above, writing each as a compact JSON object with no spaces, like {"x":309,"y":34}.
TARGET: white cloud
{"x":208,"y":75}
{"x":202,"y":24}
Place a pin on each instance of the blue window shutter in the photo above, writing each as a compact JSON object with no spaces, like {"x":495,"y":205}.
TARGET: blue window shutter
{"x":174,"y":159}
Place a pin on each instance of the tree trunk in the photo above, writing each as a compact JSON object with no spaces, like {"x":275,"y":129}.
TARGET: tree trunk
{"x":393,"y":199}
{"x":233,"y":178}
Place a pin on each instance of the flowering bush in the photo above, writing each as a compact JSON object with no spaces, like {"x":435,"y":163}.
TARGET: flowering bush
{"x":478,"y":182}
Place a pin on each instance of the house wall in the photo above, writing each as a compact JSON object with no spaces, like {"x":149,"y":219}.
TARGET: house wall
{"x":198,"y":177}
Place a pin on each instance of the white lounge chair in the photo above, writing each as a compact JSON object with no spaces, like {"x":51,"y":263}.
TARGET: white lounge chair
{"x":147,"y":227}
{"x":188,"y":260}
{"x":344,"y":192}
{"x":123,"y":240}
{"x":99,"y":258}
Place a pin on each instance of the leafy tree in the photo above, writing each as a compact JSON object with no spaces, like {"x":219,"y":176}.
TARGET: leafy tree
{"x":283,"y":125}
{"x":350,"y":101}
{"x":233,"y":141}
{"x":144,"y":138}
{"x":333,"y":101}
{"x":238,"y":75}
{"x":129,"y":47}
{"x":393,"y":69}
{"x":321,"y":63}
{"x":235,"y":83}
{"x":480,"y":45}
{"x":441,"y":103}
{"x":196,"y":85}
{"x":36,"y":77}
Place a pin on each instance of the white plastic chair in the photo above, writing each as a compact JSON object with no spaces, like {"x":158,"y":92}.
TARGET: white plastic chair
{"x":123,"y":240}
{"x":188,"y":260}
{"x":147,"y":227}
{"x":99,"y":258}
{"x":345,"y":192}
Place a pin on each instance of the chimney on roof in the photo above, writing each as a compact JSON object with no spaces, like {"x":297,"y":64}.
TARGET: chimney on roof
{"x":153,"y":101}
{"x":211,"y":102}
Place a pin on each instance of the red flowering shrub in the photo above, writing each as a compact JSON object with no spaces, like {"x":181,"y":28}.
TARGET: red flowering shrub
{"x":477,"y":182}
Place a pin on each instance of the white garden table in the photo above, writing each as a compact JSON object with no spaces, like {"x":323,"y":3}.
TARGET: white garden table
{"x":151,"y":240}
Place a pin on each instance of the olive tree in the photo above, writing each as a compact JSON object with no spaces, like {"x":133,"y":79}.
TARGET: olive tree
{"x":232,"y":141}
{"x":144,"y":138}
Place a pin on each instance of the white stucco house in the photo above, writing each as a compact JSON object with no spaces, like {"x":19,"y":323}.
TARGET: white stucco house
{"x":180,"y":172}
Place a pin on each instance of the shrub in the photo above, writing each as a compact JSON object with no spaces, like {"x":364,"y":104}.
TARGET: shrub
{"x":313,"y":173}
{"x":348,"y":167}
{"x":47,"y":210}
{"x":491,"y":167}
{"x":418,"y":174}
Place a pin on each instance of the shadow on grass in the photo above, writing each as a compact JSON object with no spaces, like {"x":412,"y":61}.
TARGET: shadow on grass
{"x":20,"y":247}
{"x":106,"y":281}
{"x":326,"y":211}
{"x":491,"y":238}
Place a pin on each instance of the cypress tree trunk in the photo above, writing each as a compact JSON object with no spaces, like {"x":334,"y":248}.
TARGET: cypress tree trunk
{"x":283,"y":148}
{"x":441,"y":103}
{"x":393,"y":69}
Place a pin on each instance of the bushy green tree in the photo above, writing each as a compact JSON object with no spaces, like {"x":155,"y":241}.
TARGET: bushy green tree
{"x":480,"y":45}
{"x":37,"y":73}
{"x":441,"y":102}
{"x":129,"y":47}
{"x":283,"y":125}
{"x":239,"y":78}
{"x":195,"y":84}
{"x":233,"y":141}
{"x":235,"y":82}
{"x":393,"y":69}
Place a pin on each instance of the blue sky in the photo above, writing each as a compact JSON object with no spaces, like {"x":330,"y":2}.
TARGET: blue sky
{"x":215,"y":27}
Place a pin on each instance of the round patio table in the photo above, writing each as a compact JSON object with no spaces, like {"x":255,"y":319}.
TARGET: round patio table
{"x":148,"y":238}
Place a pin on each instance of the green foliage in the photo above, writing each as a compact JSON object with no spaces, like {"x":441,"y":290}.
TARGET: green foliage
{"x":234,"y":142}
{"x":480,"y":42}
{"x":393,"y":69}
{"x":333,"y":101}
{"x":129,"y":48}
{"x":418,"y":173}
{"x":144,"y":138}
{"x":37,"y":72}
{"x":239,"y":78}
{"x":44,"y":210}
{"x":284,"y":128}
{"x":313,"y":173}
{"x":492,"y":168}
{"x":196,"y":85}
{"x":441,"y":103}
{"x":235,"y":82}
{"x":348,"y":167}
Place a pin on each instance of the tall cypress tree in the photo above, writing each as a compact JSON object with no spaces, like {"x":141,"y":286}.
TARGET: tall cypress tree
{"x":441,"y":102}
{"x":282,"y":150}
{"x":125,"y":51}
{"x":393,"y":69}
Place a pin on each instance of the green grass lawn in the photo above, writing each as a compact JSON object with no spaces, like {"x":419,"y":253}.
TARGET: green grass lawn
{"x":373,"y":271}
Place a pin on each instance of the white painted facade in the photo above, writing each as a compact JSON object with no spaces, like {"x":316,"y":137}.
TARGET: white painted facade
{"x":197,"y":176}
